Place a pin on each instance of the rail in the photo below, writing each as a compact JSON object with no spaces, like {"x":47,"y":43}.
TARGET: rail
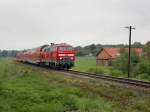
{"x":127,"y":81}
{"x":132,"y":82}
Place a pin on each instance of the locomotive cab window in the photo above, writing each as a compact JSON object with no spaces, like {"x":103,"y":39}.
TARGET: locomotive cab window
{"x":66,"y":48}
{"x":47,"y":49}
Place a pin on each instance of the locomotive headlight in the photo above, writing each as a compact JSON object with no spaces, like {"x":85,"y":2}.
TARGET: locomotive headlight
{"x":61,"y":54}
{"x":70,"y":54}
{"x":65,"y":54}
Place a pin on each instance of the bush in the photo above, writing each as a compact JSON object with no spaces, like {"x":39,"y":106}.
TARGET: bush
{"x":121,"y":63}
{"x":99,"y":70}
{"x":142,"y":70}
{"x":106,"y":71}
{"x":116,"y":72}
{"x":143,"y":76}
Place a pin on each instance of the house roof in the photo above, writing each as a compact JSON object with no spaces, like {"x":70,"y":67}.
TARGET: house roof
{"x":114,"y":52}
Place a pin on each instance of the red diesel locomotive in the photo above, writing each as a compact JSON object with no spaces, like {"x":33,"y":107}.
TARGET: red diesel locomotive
{"x":54,"y":55}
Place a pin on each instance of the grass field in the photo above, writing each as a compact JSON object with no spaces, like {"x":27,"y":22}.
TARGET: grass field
{"x":84,"y":63}
{"x":30,"y":89}
{"x":88,"y":64}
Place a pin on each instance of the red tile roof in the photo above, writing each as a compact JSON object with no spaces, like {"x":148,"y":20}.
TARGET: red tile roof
{"x":114,"y":52}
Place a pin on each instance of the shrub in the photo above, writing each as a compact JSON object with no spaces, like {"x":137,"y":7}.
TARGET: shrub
{"x":142,"y":67}
{"x":115,"y":72}
{"x":99,"y":70}
{"x":142,"y":70}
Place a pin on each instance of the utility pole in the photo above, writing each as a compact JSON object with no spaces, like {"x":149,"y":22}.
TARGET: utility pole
{"x":129,"y":58}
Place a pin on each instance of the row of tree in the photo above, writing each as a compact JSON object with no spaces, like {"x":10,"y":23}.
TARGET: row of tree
{"x":90,"y":50}
{"x":93,"y":49}
{"x":8,"y":53}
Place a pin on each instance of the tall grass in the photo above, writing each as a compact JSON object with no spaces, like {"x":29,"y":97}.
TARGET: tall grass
{"x":29,"y":89}
{"x":25,"y":89}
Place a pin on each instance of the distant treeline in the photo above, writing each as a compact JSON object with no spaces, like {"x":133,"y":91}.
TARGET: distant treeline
{"x":8,"y":53}
{"x":90,"y":50}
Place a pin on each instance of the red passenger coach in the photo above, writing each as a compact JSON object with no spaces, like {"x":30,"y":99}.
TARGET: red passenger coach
{"x":54,"y":55}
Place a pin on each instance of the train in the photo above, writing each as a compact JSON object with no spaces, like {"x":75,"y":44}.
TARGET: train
{"x":61,"y":56}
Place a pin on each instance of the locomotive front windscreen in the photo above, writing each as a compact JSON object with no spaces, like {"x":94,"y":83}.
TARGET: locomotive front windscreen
{"x":66,"y":48}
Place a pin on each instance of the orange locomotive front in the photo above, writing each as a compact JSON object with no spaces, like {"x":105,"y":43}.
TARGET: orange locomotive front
{"x":54,"y":55}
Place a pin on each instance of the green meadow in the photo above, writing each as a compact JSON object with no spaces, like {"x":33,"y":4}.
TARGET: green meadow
{"x":84,"y":63}
{"x":88,"y":64}
{"x":24,"y":88}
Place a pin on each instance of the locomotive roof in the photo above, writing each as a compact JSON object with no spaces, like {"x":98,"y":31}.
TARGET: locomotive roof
{"x":46,"y":45}
{"x":61,"y":44}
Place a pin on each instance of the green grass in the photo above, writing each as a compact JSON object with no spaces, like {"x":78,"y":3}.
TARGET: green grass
{"x":88,"y":64}
{"x":30,"y":89}
{"x":84,"y":63}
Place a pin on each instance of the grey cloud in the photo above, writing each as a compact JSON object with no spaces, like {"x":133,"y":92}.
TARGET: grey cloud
{"x":29,"y":23}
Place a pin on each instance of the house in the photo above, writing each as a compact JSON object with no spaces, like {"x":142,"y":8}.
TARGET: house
{"x":106,"y":55}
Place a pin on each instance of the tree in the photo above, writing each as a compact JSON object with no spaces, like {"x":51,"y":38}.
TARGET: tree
{"x":78,"y":48}
{"x":121,"y":62}
{"x":4,"y":53}
{"x":92,"y":47}
{"x":142,"y":70}
{"x":122,"y":51}
{"x":137,"y":44}
{"x":8,"y":53}
{"x":147,"y":50}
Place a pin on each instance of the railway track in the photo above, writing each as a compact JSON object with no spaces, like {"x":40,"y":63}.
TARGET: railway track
{"x":126,"y":81}
{"x":130,"y":82}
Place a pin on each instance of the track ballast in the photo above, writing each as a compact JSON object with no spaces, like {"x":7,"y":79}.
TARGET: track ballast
{"x":127,"y":81}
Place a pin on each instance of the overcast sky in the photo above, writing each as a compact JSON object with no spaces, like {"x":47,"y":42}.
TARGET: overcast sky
{"x":30,"y":23}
